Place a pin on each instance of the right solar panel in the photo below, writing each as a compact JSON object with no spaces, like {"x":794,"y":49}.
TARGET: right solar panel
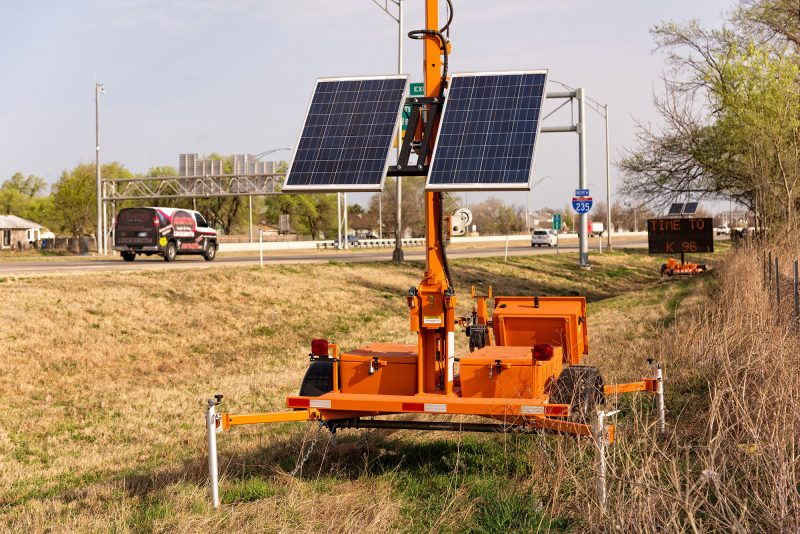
{"x":488,"y":131}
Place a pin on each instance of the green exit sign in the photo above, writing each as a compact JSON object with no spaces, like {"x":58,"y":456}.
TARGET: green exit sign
{"x":416,"y":89}
{"x":556,"y":221}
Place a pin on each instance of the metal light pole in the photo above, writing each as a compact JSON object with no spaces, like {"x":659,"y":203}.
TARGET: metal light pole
{"x":100,"y":234}
{"x":397,"y":255}
{"x":583,"y":261}
{"x":601,"y":109}
{"x":608,"y":186}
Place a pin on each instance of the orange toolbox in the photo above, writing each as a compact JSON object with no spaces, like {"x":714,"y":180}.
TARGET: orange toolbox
{"x":380,"y":368}
{"x":509,"y":372}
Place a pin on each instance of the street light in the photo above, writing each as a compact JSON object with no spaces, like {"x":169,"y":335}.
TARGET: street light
{"x":397,"y":255}
{"x":602,"y":110}
{"x":99,"y":89}
{"x":250,"y":197}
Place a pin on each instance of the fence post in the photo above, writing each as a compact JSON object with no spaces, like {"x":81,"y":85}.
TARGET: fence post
{"x":777,"y":283}
{"x":796,"y":296}
{"x":211,"y":429}
{"x":506,"y":258}
{"x":600,"y":435}
{"x":769,"y":281}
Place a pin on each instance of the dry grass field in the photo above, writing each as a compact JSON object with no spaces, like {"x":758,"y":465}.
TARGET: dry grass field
{"x":105,"y":378}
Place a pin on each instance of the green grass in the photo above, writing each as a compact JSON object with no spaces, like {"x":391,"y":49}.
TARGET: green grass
{"x":134,"y":435}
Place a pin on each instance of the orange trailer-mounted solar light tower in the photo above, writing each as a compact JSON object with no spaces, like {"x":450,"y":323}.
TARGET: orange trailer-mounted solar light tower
{"x":523,"y":371}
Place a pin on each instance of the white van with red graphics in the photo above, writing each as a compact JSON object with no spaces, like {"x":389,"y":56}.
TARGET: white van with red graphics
{"x":166,"y":232}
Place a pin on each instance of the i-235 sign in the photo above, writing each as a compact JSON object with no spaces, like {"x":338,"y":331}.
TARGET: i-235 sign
{"x":581,"y":202}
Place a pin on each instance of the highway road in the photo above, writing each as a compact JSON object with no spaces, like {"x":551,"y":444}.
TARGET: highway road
{"x":67,"y":265}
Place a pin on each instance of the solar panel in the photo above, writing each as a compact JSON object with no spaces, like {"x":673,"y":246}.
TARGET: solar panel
{"x":488,"y":131}
{"x":676,"y":208}
{"x":347,"y":135}
{"x":690,"y":208}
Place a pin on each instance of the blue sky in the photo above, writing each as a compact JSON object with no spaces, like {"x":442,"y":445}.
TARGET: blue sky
{"x":236,"y":76}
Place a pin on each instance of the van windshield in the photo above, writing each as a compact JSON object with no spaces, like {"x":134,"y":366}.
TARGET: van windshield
{"x":540,"y":232}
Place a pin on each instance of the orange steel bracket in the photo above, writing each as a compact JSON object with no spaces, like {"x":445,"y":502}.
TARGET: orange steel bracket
{"x":229,"y":420}
{"x":648,"y":384}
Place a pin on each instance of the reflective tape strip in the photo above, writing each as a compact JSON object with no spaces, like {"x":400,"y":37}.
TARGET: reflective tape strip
{"x":436,"y":408}
{"x":532,"y":410}
{"x":320,"y":403}
{"x":451,"y":361}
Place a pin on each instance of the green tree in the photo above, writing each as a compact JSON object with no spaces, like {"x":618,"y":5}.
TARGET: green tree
{"x":22,"y":196}
{"x":731,"y":115}
{"x":493,"y":217}
{"x":75,"y":197}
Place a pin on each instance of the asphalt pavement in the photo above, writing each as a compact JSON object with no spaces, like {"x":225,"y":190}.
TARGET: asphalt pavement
{"x":50,"y":266}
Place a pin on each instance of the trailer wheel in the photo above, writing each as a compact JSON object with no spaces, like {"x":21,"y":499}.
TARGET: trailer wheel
{"x":170,"y":252}
{"x":318,"y":379}
{"x":128,"y":256}
{"x":581,"y":387}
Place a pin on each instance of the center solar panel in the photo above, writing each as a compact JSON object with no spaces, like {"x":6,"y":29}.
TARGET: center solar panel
{"x":348,"y":132}
{"x":690,"y":208}
{"x":488,"y":131}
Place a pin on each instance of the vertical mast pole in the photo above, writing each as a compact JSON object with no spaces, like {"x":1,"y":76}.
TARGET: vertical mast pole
{"x":436,"y":314}
{"x":397,"y":255}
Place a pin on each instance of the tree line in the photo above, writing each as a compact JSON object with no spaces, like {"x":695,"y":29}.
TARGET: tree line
{"x":69,"y":206}
{"x":731,"y":115}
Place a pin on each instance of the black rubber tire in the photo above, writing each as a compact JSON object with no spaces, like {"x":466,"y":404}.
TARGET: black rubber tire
{"x":581,"y":387}
{"x":318,"y":379}
{"x":170,"y":252}
{"x":128,"y":256}
{"x":211,"y":252}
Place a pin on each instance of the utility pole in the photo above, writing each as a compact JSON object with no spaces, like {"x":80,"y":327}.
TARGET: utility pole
{"x":397,"y":255}
{"x":608,"y":185}
{"x":100,"y":233}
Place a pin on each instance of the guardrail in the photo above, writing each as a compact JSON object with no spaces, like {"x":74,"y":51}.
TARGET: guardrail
{"x":329,"y":244}
{"x":373,"y":243}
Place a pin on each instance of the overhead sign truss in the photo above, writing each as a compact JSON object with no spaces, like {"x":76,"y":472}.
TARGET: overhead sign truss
{"x":225,"y":185}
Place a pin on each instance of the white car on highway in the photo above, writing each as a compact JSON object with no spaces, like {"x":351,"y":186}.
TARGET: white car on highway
{"x":540,"y":238}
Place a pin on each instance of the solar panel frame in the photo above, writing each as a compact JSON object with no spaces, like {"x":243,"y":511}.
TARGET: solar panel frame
{"x":332,"y":188}
{"x":690,"y":208}
{"x":485,"y":186}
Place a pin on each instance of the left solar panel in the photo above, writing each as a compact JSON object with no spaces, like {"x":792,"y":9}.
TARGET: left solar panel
{"x":347,"y":135}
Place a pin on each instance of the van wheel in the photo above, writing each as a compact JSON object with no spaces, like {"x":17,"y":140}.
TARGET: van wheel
{"x":170,"y":252}
{"x":128,"y":256}
{"x":211,"y":252}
